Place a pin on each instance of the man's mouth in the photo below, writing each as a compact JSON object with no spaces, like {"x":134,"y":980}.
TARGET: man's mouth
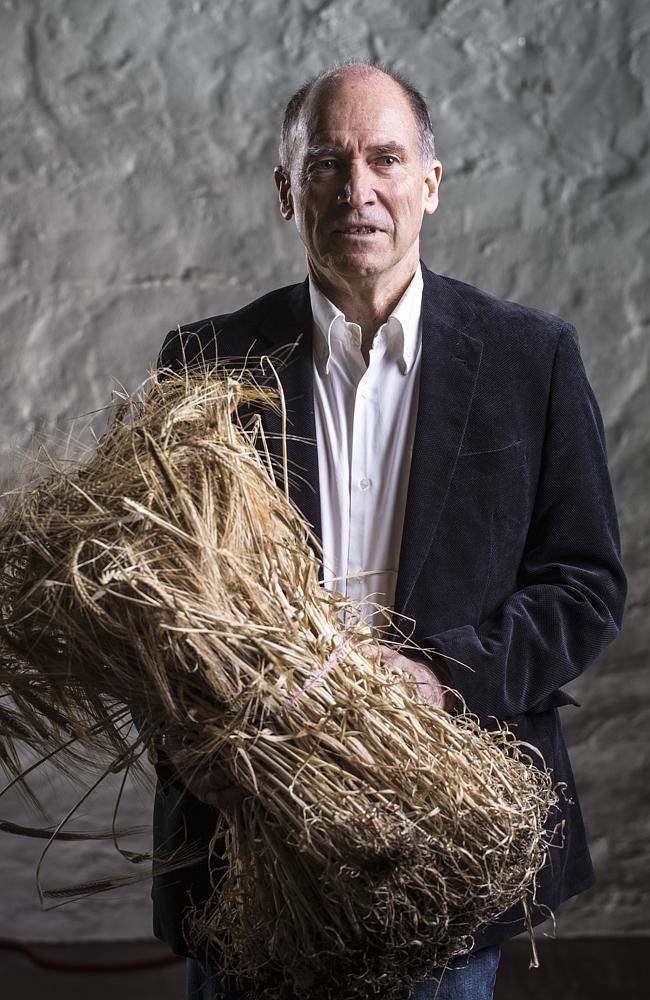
{"x":358,"y":230}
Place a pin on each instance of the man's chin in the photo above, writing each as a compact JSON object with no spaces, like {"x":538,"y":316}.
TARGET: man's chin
{"x":359,"y":264}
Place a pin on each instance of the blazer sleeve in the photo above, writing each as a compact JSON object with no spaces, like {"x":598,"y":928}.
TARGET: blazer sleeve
{"x":571,"y":586}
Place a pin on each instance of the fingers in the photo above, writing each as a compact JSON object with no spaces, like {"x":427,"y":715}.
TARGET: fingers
{"x":226,"y":799}
{"x":375,"y":651}
{"x":370,"y":649}
{"x":202,"y":786}
{"x":428,"y":684}
{"x":208,"y":781}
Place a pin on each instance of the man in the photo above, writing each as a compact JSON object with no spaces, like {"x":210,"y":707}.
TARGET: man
{"x":459,"y":456}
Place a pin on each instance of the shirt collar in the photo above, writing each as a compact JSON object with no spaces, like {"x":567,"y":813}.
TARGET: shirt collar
{"x":403,"y":326}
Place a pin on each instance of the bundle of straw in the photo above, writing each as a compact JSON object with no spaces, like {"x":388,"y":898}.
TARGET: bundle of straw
{"x":169,"y":572}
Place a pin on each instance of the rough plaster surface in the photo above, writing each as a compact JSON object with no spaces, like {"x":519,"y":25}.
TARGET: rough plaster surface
{"x":137,"y":143}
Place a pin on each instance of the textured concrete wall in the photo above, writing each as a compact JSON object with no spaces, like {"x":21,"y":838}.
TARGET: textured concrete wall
{"x":137,"y":143}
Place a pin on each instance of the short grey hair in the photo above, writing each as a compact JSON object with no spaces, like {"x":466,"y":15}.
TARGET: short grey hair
{"x":298,"y":100}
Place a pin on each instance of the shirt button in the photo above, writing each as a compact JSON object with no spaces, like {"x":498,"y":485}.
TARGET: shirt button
{"x":364,"y":484}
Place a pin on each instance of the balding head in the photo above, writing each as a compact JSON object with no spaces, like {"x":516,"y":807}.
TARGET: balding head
{"x":323,"y":88}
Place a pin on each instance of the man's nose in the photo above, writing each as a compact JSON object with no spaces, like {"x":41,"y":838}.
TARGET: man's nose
{"x":357,"y":189}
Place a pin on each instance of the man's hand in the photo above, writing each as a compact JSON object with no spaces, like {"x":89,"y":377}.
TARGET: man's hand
{"x":211,"y":785}
{"x":430,"y":687}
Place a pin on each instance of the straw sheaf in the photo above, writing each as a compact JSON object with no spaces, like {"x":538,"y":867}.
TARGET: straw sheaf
{"x":170,"y":573}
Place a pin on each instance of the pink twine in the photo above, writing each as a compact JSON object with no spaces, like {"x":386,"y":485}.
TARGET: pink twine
{"x":321,"y":673}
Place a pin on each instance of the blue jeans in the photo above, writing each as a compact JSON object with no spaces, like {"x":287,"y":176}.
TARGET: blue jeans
{"x":470,"y":977}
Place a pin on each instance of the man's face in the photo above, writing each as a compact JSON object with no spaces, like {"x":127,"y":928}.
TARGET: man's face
{"x":357,"y":185}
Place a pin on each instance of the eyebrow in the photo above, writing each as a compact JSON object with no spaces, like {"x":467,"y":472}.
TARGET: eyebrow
{"x":384,"y":148}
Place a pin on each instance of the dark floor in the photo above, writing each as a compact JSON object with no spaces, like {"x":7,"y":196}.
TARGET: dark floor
{"x":585,"y":969}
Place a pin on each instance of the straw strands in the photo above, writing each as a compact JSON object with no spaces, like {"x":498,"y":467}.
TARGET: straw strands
{"x":169,"y":572}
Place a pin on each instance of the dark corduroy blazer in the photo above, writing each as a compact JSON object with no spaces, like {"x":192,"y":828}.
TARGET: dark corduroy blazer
{"x":510,"y":556}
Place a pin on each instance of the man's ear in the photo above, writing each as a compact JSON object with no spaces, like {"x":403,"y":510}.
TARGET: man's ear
{"x":283,"y":184}
{"x":431,"y":185}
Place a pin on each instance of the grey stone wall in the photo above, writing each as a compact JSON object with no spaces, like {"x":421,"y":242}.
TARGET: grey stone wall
{"x":137,"y":143}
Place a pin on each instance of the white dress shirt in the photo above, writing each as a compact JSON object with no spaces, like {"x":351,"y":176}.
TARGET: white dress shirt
{"x":365,"y":422}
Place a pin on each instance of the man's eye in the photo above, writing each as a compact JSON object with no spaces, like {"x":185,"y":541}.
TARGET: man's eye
{"x":325,"y":164}
{"x":388,"y":161}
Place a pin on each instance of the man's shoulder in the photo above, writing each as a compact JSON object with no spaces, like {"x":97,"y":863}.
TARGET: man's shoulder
{"x":227,"y":333}
{"x":248,"y":316}
{"x":507,"y":318}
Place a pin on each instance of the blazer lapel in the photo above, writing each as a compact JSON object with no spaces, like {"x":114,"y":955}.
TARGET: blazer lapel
{"x":288,"y":332}
{"x":450,"y":364}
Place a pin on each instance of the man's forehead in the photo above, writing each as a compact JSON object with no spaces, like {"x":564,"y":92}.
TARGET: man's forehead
{"x":345,"y":127}
{"x":365,"y":140}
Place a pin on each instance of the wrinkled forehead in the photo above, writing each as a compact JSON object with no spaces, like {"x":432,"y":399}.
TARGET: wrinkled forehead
{"x":356,"y":117}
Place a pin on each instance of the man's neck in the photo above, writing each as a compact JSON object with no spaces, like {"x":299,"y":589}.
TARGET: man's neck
{"x":367,"y":301}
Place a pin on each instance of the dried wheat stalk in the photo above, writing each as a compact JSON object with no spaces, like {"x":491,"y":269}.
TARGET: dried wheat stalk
{"x":169,"y":572}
